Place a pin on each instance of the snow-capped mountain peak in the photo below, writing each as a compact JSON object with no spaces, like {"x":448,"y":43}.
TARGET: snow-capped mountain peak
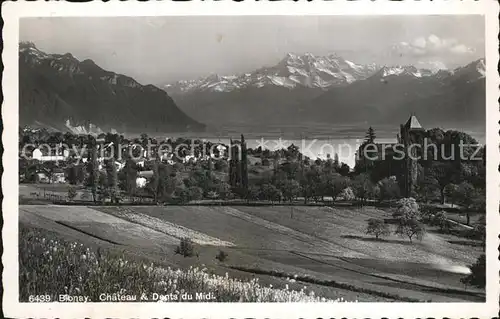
{"x":481,"y":67}
{"x":473,"y":71}
{"x":407,"y":70}
{"x":294,"y":70}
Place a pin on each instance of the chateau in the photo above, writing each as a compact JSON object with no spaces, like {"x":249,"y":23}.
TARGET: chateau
{"x":411,"y":133}
{"x":405,"y":168}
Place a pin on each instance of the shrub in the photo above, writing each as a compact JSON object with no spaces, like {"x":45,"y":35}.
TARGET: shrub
{"x":185,"y":248}
{"x":427,"y":214}
{"x":440,"y":219}
{"x":195,"y":193}
{"x":477,"y":277}
{"x":221,"y":256}
{"x":182,"y":194}
{"x":85,"y":196}
{"x":71,"y":193}
{"x":377,"y":227}
{"x":478,"y":232}
{"x":347,"y":194}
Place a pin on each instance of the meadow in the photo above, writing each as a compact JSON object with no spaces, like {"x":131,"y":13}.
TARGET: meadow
{"x":323,"y":248}
{"x":50,"y":266}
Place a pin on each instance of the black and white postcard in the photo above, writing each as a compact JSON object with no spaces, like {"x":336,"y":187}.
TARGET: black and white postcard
{"x":337,"y":160}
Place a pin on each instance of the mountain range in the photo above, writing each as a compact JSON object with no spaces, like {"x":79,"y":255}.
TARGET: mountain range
{"x":330,"y":89}
{"x":63,"y":93}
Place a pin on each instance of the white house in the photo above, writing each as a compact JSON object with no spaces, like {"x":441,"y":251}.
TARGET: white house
{"x":38,"y":155}
{"x":188,"y":158}
{"x":140,"y":182}
{"x":140,"y":163}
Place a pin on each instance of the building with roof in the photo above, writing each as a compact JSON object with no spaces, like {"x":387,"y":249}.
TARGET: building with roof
{"x":386,"y":157}
{"x":411,"y":134}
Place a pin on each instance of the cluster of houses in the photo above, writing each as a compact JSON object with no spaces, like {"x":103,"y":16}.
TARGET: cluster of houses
{"x":50,"y":169}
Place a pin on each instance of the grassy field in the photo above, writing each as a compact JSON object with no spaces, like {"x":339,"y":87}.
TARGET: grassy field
{"x":51,"y":265}
{"x":324,"y":248}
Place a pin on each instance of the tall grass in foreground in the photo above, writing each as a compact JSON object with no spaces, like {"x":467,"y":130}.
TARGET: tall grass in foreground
{"x":51,"y":266}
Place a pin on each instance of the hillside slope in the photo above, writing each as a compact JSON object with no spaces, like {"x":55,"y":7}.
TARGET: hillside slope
{"x":392,"y":93}
{"x":56,"y":88}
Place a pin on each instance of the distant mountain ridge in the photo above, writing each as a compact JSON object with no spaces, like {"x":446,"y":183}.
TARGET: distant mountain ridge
{"x":61,"y":92}
{"x":334,"y":90}
{"x":456,"y":96}
{"x":293,"y":71}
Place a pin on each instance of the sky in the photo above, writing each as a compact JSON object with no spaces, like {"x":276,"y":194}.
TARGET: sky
{"x":159,"y":50}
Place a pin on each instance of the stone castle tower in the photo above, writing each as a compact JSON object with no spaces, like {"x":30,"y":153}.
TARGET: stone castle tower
{"x":411,"y":133}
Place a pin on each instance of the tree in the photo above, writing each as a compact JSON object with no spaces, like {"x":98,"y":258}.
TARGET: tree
{"x":223,"y":189}
{"x":252,"y":193}
{"x":336,"y":162}
{"x":310,"y":182}
{"x":72,"y":175}
{"x":290,"y":189}
{"x":292,"y":152}
{"x":469,"y":198}
{"x":377,"y":227}
{"x":112,"y":176}
{"x":344,"y":169}
{"x":370,"y":136}
{"x":71,"y":193}
{"x":389,"y":189}
{"x":363,"y":187}
{"x":128,"y":177}
{"x":477,"y":277}
{"x":443,"y":173}
{"x":451,"y":193}
{"x":334,"y":185}
{"x":102,"y":186}
{"x":407,"y":208}
{"x":410,"y":228}
{"x":347,"y":194}
{"x":270,"y":192}
{"x":221,"y":165}
{"x":153,"y":186}
{"x":92,"y":168}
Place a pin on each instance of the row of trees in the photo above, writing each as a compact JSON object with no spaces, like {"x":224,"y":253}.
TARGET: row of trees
{"x":408,"y":220}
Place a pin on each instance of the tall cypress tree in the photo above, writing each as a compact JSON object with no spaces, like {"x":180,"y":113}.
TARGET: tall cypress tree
{"x":244,"y":163}
{"x":93,"y":167}
{"x":370,"y":136}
